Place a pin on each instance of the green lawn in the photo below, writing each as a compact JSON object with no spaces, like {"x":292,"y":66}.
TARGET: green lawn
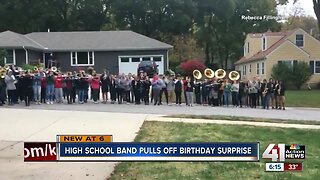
{"x":182,"y":132}
{"x":303,"y":98}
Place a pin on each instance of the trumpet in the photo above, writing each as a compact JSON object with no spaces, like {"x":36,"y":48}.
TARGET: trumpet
{"x":54,"y":69}
{"x":209,"y":73}
{"x":197,"y":74}
{"x":220,"y":73}
{"x":234,"y":76}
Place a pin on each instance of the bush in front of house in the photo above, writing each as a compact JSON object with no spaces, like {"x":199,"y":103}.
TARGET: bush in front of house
{"x":189,"y":66}
{"x":296,"y":74}
{"x":2,"y":56}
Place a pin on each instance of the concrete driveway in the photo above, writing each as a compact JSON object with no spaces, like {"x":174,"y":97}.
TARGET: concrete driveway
{"x":19,"y":125}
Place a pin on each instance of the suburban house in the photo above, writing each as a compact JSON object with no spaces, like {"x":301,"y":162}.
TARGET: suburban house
{"x":118,"y":51}
{"x":263,"y":50}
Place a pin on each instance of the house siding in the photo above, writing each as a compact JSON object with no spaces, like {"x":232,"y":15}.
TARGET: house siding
{"x":34,"y":56}
{"x":103,"y":59}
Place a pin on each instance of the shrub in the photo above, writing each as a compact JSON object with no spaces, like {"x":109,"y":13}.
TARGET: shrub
{"x":297,"y":75}
{"x":2,"y":55}
{"x":189,"y":66}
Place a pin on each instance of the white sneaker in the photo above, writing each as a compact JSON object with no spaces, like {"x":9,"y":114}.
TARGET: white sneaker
{"x":39,"y":103}
{"x":51,"y":102}
{"x":48,"y":102}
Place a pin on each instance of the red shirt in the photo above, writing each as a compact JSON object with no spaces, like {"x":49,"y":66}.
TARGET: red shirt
{"x":58,"y":82}
{"x":43,"y":82}
{"x":95,"y":83}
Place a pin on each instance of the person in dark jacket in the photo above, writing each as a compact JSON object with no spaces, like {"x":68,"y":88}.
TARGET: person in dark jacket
{"x":27,"y":84}
{"x":137,"y":87}
{"x":178,"y":90}
{"x":112,"y":86}
{"x":105,"y":85}
{"x":2,"y":91}
{"x":146,"y":89}
{"x":281,"y":95}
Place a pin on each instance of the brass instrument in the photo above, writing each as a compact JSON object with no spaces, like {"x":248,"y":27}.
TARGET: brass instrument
{"x":209,"y":73}
{"x":265,"y":91}
{"x":234,"y":76}
{"x":197,"y":74}
{"x":35,"y":69}
{"x":3,"y":73}
{"x":220,"y":73}
{"x":54,"y":69}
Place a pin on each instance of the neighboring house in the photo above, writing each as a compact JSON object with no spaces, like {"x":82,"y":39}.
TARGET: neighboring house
{"x":263,"y":50}
{"x":118,"y":51}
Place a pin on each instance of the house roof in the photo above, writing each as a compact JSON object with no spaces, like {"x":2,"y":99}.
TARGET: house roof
{"x":97,"y":41}
{"x":15,"y":40}
{"x":262,"y":54}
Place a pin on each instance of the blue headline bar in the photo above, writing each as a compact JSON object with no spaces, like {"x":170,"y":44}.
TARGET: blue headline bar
{"x":129,"y":149}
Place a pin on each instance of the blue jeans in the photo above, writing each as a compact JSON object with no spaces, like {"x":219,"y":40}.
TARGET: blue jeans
{"x":226,"y":98}
{"x":80,"y":95}
{"x":235,"y":98}
{"x":37,"y":93}
{"x":50,"y":92}
{"x":266,"y":100}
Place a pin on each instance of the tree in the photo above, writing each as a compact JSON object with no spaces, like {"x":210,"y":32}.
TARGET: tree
{"x":316,"y":7}
{"x":297,"y":75}
{"x":189,"y":66}
{"x":301,"y":74}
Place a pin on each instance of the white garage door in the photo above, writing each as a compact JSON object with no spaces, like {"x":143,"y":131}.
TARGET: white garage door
{"x":129,"y":64}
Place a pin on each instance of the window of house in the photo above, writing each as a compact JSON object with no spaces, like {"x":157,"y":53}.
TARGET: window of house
{"x":250,"y":69}
{"x":125,"y":60}
{"x":157,"y":59}
{"x":258,"y":68}
{"x":146,"y":59}
{"x":264,"y":44}
{"x":10,"y":57}
{"x":315,"y":67}
{"x":135,"y":59}
{"x":286,"y":62}
{"x":244,"y":70}
{"x":248,"y":47}
{"x":82,"y":58}
{"x":262,"y":68}
{"x":299,"y":40}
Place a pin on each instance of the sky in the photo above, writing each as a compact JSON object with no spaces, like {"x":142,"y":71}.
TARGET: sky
{"x":305,"y":5}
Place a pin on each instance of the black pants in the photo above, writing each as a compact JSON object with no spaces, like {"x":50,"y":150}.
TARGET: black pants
{"x":178,"y":97}
{"x":95,"y":94}
{"x":43,"y":94}
{"x":120,"y":95}
{"x":253,"y":97}
{"x":220,"y":98}
{"x":28,"y":93}
{"x":146,"y":96}
{"x":137,"y":96}
{"x":113,"y":94}
{"x":127,"y":96}
{"x":11,"y":96}
{"x":73,"y":95}
{"x":204,"y":98}
{"x":165,"y":91}
{"x":68,"y":94}
{"x":156,"y":96}
{"x":198,"y":98}
{"x":240,"y":99}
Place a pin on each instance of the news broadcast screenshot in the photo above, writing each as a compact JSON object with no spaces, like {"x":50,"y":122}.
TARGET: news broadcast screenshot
{"x":159,"y":89}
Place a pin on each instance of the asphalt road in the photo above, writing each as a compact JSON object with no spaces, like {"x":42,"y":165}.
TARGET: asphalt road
{"x":289,"y":113}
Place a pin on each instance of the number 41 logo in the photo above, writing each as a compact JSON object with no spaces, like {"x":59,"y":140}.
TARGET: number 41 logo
{"x":275,"y":152}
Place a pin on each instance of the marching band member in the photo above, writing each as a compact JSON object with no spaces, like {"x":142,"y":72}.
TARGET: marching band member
{"x":220,"y":94}
{"x":58,"y":88}
{"x":2,"y":90}
{"x":262,"y":88}
{"x":43,"y":87}
{"x":156,"y":87}
{"x":226,"y":92}
{"x":189,"y":91}
{"x":178,"y":90}
{"x":37,"y":87}
{"x":81,"y":87}
{"x":235,"y":93}
{"x":170,"y":89}
{"x":268,"y":93}
{"x":205,"y":92}
{"x":281,"y":95}
{"x":253,"y":91}
{"x":197,"y":91}
{"x":11,"y":87}
{"x":95,"y":86}
{"x":241,"y":93}
{"x":68,"y":82}
{"x":137,"y":87}
{"x":146,"y":89}
{"x":27,"y":84}
{"x":164,"y":89}
{"x":132,"y":95}
{"x":272,"y":97}
{"x":50,"y":87}
{"x":126,"y":91}
{"x":275,"y":94}
{"x":105,"y":83}
{"x":112,"y":86}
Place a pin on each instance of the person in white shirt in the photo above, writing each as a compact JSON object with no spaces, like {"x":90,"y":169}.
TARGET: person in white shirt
{"x":235,"y":93}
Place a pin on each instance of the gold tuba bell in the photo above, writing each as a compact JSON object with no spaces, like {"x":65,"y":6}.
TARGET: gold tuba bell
{"x":234,"y":76}
{"x":197,"y":74}
{"x":220,"y":73}
{"x":209,"y":73}
{"x":54,"y":69}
